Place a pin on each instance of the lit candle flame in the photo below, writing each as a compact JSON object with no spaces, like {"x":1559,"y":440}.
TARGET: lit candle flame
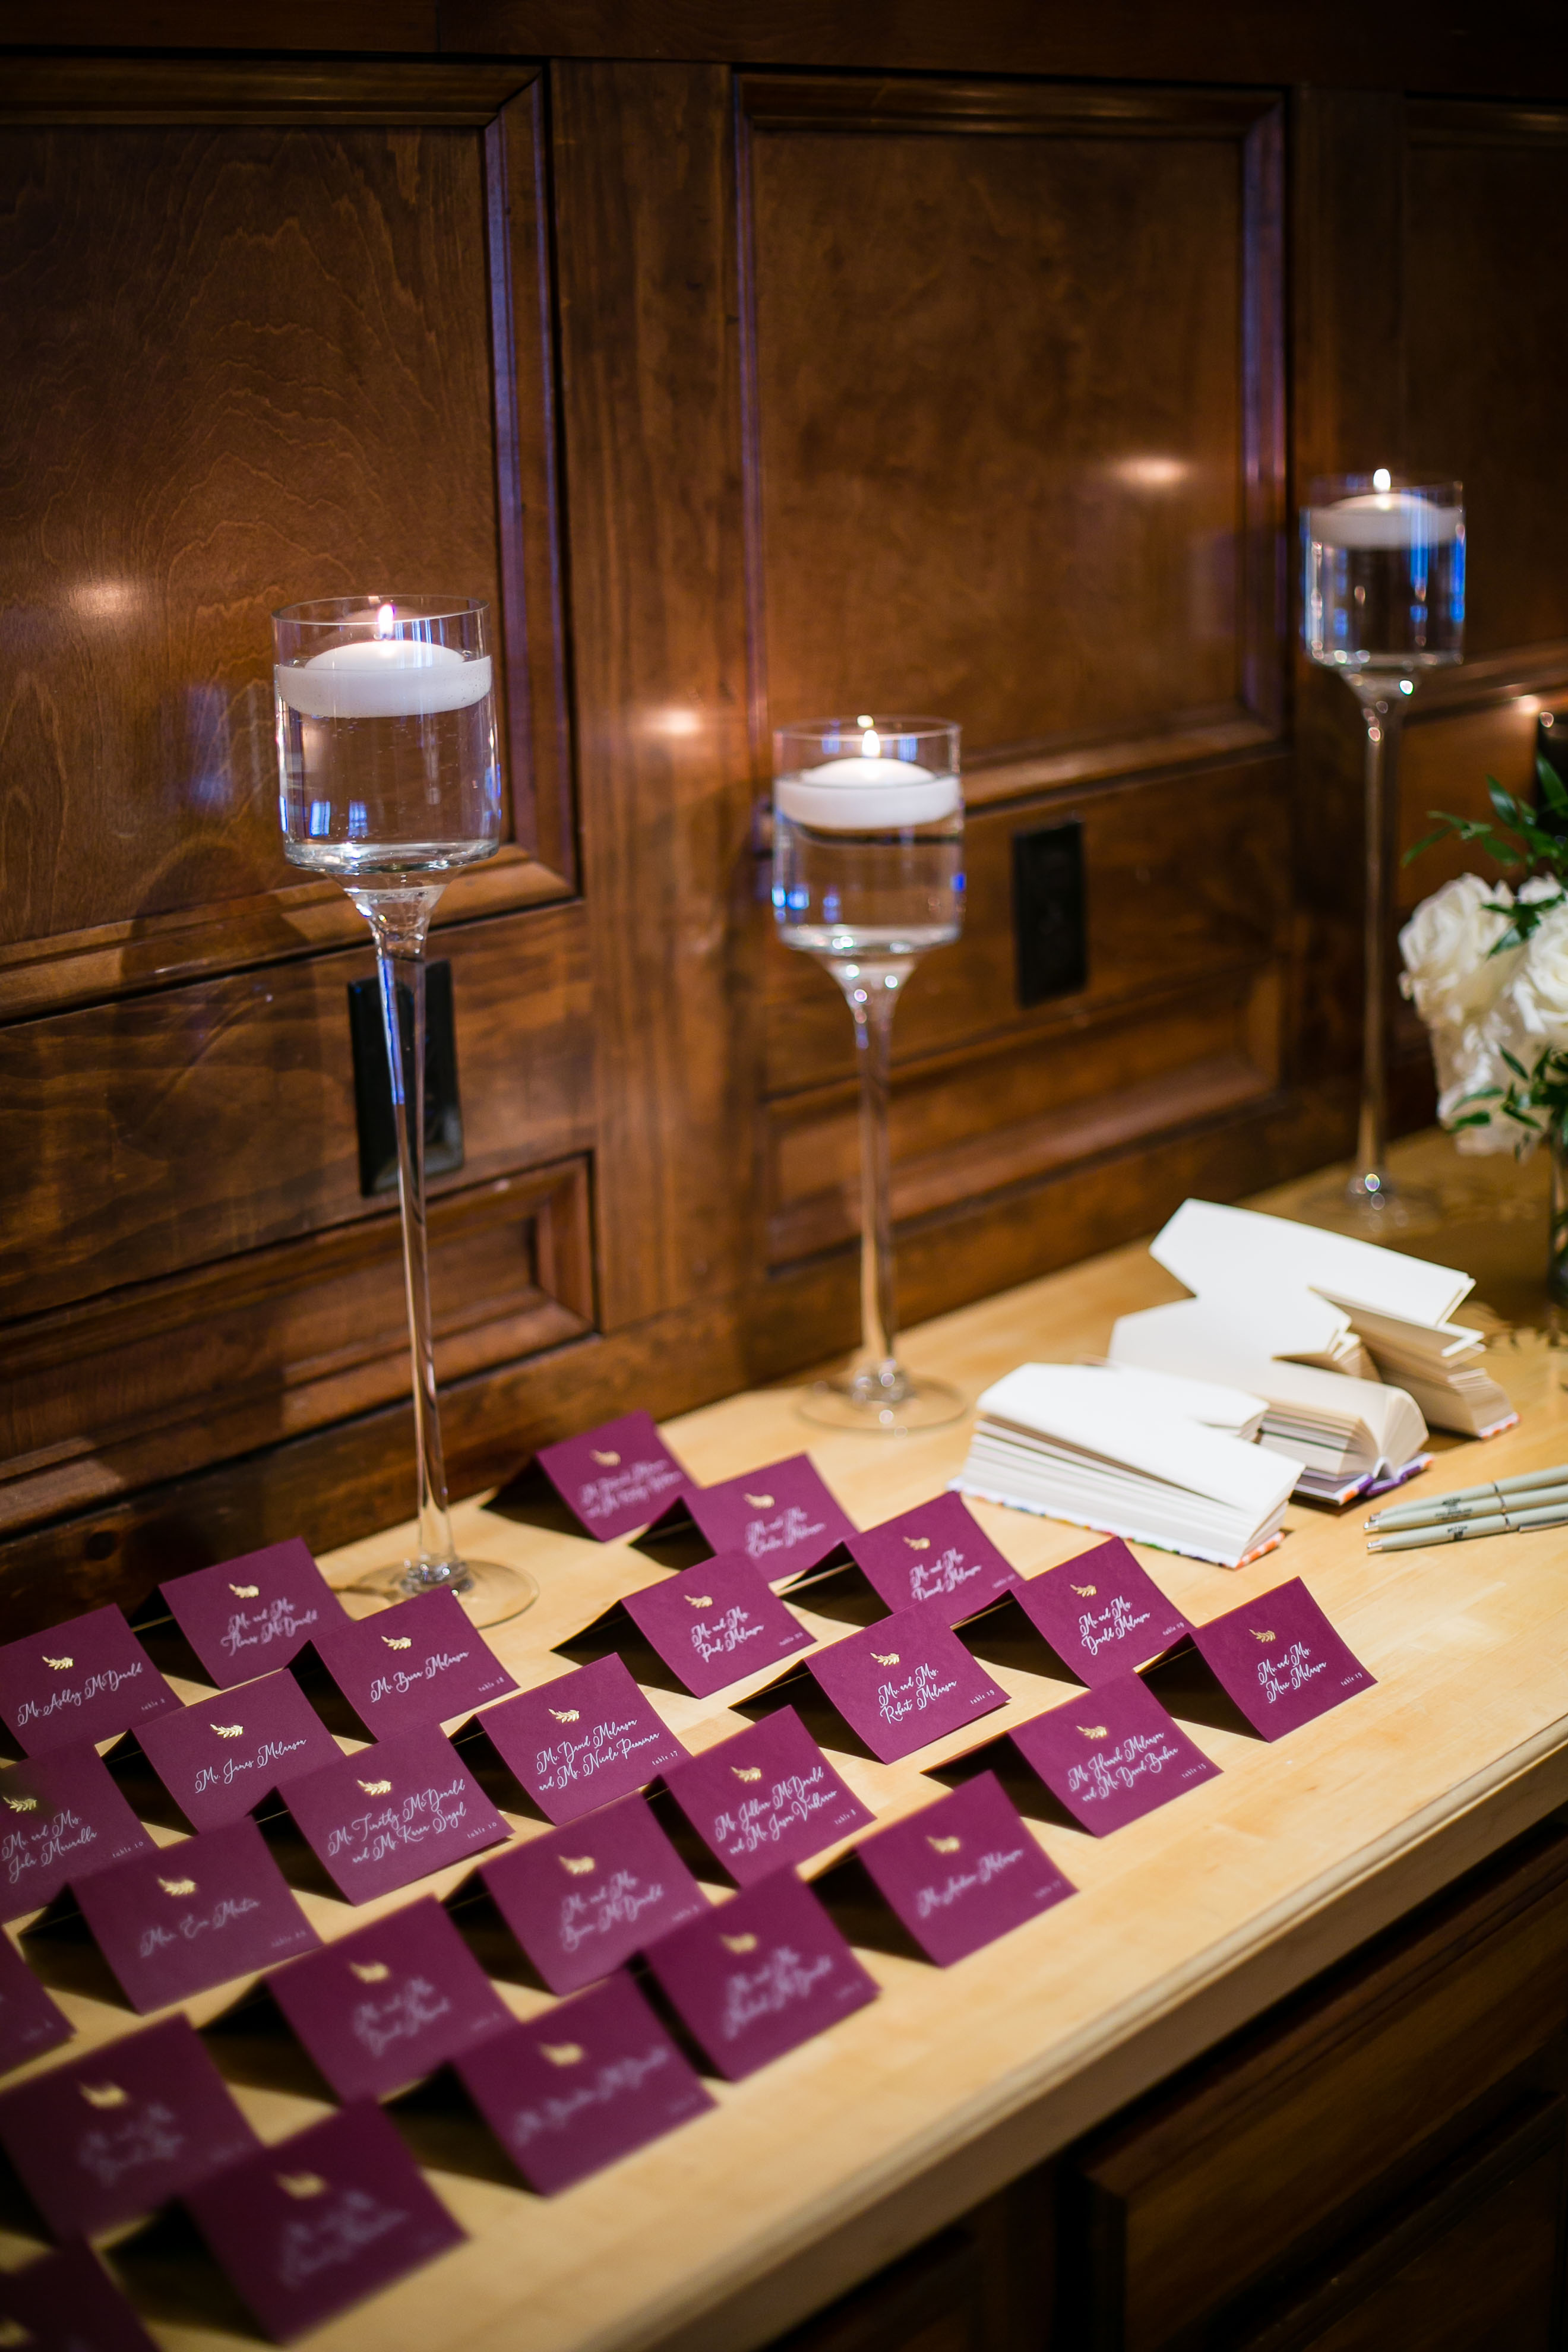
{"x":385,"y":621}
{"x":1383,"y":481}
{"x":870,"y":744}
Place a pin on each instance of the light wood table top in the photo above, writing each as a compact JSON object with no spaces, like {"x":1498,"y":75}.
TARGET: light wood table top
{"x":1188,"y":1923}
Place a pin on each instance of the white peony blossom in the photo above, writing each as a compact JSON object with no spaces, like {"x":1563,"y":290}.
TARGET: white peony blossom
{"x":1470,"y":1058}
{"x":1540,"y":987}
{"x":1449,"y":970}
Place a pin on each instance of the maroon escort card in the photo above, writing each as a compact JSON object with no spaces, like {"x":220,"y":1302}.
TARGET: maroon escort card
{"x":68,"y":2303}
{"x":580,"y":1741}
{"x":80,"y":1682}
{"x":419,"y":1662}
{"x":1280,"y":1660}
{"x":716,"y":1623}
{"x":393,"y":2001}
{"x":30,"y":2021}
{"x":1102,"y":1613}
{"x":318,"y":2221}
{"x":586,"y":2086}
{"x":937,"y":1553}
{"x":175,"y":1921}
{"x":962,"y":1872}
{"x":250,"y":1615}
{"x":1112,"y":1754}
{"x":219,"y":1759}
{"x":759,"y":1975}
{"x":782,"y":1519}
{"x":905,"y":1681}
{"x":388,"y":1814}
{"x":616,"y":1478}
{"x":582,"y":1900}
{"x":767,"y":1797}
{"x":105,"y":2137}
{"x":61,"y":1816}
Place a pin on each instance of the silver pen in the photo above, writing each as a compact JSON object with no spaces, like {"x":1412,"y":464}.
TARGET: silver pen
{"x":1442,"y":1506}
{"x":1498,"y":1522}
{"x":1427,"y":1515}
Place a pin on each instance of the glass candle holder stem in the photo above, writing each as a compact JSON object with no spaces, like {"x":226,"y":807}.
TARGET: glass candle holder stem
{"x":400,"y":925}
{"x":1380,"y":710}
{"x":871,"y":992}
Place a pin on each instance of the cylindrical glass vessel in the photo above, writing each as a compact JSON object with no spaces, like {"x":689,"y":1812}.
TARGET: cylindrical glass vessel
{"x":389,"y":780}
{"x":868,"y":876}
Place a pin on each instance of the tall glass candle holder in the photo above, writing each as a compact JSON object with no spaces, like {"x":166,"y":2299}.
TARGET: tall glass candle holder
{"x":390,"y":780}
{"x":1384,"y":602}
{"x":868,"y":877}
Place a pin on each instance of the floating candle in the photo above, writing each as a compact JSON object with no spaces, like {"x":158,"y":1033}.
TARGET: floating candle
{"x":1385,"y":519}
{"x":383,"y":677}
{"x":867,"y":794}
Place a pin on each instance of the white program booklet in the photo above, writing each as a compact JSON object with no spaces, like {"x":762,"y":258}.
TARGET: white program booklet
{"x":1215,"y":1250}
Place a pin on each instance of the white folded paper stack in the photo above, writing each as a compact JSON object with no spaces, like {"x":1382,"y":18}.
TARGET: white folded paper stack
{"x":1157,"y":1460}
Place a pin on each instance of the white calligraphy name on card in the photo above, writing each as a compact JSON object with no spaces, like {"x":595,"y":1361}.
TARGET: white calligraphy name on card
{"x":579,"y":1740}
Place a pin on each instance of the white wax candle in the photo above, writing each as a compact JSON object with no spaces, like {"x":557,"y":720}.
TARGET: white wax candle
{"x":861,"y":795}
{"x":383,"y":677}
{"x":1385,"y":519}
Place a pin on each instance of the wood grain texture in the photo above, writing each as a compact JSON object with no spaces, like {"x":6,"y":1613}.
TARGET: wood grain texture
{"x":644,"y":233}
{"x":998,"y":398}
{"x":1188,"y":1926}
{"x":159,"y":1133}
{"x":1485,"y":231}
{"x":158,"y":1380}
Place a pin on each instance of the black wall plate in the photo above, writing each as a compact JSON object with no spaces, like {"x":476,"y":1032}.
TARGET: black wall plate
{"x":1049,"y":941}
{"x":373,"y":1082}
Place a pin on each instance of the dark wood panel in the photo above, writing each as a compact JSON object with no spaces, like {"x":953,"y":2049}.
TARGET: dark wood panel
{"x":1475,"y":2263}
{"x":645,"y":203}
{"x":1183,"y":879}
{"x":994,"y":1117}
{"x":1321,"y":2104}
{"x":159,"y":1133}
{"x":159,"y":1379}
{"x":1486,"y":353}
{"x":999,"y":400}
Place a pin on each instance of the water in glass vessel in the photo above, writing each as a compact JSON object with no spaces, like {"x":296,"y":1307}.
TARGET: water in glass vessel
{"x":390,"y":780}
{"x":868,"y":876}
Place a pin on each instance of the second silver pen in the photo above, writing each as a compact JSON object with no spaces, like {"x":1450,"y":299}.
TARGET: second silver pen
{"x":1445,"y":1531}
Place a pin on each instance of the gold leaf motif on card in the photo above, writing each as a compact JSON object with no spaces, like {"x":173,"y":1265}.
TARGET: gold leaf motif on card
{"x":1087,"y":1590}
{"x":578,"y":1866}
{"x":562,"y":2053}
{"x":23,"y":1804}
{"x":605,"y":1461}
{"x":760,"y":1501}
{"x":369,"y":1971}
{"x":229,"y":1730}
{"x":739,"y":1943}
{"x":944,"y":1845}
{"x":918,"y":1543}
{"x":1260,"y":1636}
{"x":886,"y":1657}
{"x":178,"y":1886}
{"x":565,"y":1714}
{"x":299,"y":2184}
{"x":245,"y":1591}
{"x":104,"y":2094}
{"x":699,"y":1600}
{"x":747,"y":1771}
{"x":1093,"y":1730}
{"x":60,"y":1666}
{"x":399,"y":1641}
{"x":377,"y":1788}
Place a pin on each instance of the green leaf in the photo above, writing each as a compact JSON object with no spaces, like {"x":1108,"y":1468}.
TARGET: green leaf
{"x":1505,"y":804}
{"x":1470,"y":1118}
{"x":1554,"y":790}
{"x":1517,"y":1067}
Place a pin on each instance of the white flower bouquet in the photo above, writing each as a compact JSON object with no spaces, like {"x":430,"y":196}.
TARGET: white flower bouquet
{"x":1486,"y":968}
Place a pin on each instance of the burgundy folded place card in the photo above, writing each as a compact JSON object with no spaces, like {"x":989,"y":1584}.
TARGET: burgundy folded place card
{"x":318,"y":2221}
{"x":395,"y":2000}
{"x":759,"y":1975}
{"x":905,"y":1681}
{"x":250,"y":1615}
{"x":716,"y":1623}
{"x":1102,"y":1613}
{"x":579,"y":1740}
{"x":388,"y":1814}
{"x":939,"y":1552}
{"x":616,"y":1478}
{"x":115,"y":2134}
{"x":766,"y":1797}
{"x":219,"y":1759}
{"x":30,"y":2021}
{"x":964,"y":1870}
{"x":1112,"y":1754}
{"x":584,"y":2086}
{"x":1280,"y":1660}
{"x":175,"y":1921}
{"x":782,"y":1517}
{"x":61,"y":1816}
{"x":581,"y":1900}
{"x":80,"y":1682}
{"x":419,"y":1662}
{"x":68,"y":2303}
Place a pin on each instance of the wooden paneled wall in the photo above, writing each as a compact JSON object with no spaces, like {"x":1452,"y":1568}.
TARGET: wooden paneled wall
{"x":753,"y":361}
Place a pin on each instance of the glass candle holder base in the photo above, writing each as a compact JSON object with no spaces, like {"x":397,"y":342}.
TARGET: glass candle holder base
{"x":488,"y":1593}
{"x":885,"y":1401}
{"x":1378,"y":1212}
